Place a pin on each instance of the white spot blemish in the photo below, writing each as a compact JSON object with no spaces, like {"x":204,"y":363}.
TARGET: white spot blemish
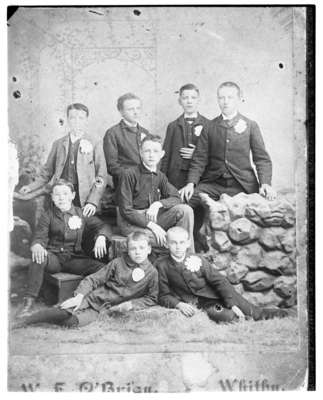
{"x":196,"y":369}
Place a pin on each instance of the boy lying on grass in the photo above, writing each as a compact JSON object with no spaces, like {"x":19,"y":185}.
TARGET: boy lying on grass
{"x":188,"y":282}
{"x":127,"y":283}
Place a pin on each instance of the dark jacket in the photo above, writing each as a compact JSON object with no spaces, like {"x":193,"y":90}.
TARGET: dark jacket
{"x":90,"y":167}
{"x":139,"y":188}
{"x":113,"y":284}
{"x":54,"y":233}
{"x":177,"y":283}
{"x":221,"y":148}
{"x":121,"y":148}
{"x":172,"y":164}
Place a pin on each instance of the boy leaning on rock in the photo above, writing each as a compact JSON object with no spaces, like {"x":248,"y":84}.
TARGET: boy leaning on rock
{"x":188,"y":282}
{"x":127,"y":283}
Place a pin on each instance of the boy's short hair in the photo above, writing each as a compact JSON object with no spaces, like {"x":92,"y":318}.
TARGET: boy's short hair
{"x":189,"y":86}
{"x":63,"y":182}
{"x":230,"y":84}
{"x":151,"y":138}
{"x":177,"y":229}
{"x":77,"y":106}
{"x":137,"y":235}
{"x":125,"y":97}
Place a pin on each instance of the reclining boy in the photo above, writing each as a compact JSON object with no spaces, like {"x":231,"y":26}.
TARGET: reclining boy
{"x":127,"y":283}
{"x":188,"y":282}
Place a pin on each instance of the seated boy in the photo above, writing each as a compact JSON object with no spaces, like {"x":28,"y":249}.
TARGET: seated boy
{"x":57,"y":243}
{"x":182,"y":136}
{"x":121,"y":142}
{"x":127,"y":283}
{"x":147,"y":201}
{"x":188,"y":282}
{"x":75,"y":159}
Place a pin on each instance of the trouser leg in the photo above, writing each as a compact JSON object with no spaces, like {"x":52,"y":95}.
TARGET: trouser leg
{"x":36,"y":273}
{"x":218,"y":313}
{"x":52,"y":315}
{"x":82,"y":265}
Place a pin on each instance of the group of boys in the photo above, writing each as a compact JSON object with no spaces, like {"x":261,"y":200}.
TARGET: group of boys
{"x":197,"y":156}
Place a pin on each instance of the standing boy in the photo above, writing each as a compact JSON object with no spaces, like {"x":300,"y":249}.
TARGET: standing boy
{"x":122,"y":141}
{"x":182,"y":136}
{"x":57,"y":243}
{"x":188,"y":282}
{"x":75,"y":159}
{"x":127,"y":283}
{"x":147,"y":201}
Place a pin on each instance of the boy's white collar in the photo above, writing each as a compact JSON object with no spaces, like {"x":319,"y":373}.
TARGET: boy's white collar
{"x":178,"y":259}
{"x":194,"y":115}
{"x":150,"y":169}
{"x":129,"y":123}
{"x":226,"y":117}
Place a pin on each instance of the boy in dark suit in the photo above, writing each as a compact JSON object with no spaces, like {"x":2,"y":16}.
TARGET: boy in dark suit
{"x":122,"y":141}
{"x":182,"y":136}
{"x":221,"y":161}
{"x":76,"y":159}
{"x":147,"y":201}
{"x":127,"y":283}
{"x":188,"y":282}
{"x":57,"y":243}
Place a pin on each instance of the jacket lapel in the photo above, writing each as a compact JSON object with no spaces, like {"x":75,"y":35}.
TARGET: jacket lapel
{"x":181,"y":124}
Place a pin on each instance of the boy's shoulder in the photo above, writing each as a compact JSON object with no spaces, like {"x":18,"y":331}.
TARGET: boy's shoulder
{"x":162,"y":262}
{"x":114,"y":129}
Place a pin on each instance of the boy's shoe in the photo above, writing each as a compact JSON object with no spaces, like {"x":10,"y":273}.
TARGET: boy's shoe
{"x":269,"y":313}
{"x":27,"y":307}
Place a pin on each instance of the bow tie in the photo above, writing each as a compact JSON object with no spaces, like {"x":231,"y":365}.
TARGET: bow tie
{"x":189,"y":120}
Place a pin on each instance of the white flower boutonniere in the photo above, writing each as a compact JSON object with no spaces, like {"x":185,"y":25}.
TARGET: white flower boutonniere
{"x":85,"y":146}
{"x":75,"y":222}
{"x":198,"y":130}
{"x":193,"y":263}
{"x":240,"y":126}
{"x":138,"y":274}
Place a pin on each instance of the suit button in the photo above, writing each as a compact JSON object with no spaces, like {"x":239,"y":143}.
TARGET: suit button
{"x":228,"y":140}
{"x":61,"y":249}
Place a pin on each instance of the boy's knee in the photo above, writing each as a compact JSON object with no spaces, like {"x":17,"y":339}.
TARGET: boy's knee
{"x":184,"y":210}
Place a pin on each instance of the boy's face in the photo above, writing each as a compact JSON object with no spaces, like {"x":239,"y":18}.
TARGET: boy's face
{"x":189,"y":100}
{"x":138,"y":250}
{"x":229,"y":100}
{"x":151,"y":153}
{"x":77,"y":121}
{"x":178,"y":243}
{"x":131,"y":110}
{"x":62,"y":197}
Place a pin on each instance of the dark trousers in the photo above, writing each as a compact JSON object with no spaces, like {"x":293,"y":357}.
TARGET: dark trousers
{"x":219,"y":313}
{"x":229,"y":186}
{"x":74,"y":264}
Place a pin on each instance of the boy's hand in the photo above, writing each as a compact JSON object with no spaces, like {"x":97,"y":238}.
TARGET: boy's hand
{"x":268,"y":192}
{"x":238,"y":313}
{"x":159,"y":232}
{"x":100,"y":247}
{"x":89,"y":210}
{"x":122,"y":307}
{"x":152,"y":211}
{"x":73,"y":302}
{"x":187,"y":309}
{"x":25,"y":189}
{"x":187,"y":152}
{"x":38,"y":253}
{"x":187,"y":192}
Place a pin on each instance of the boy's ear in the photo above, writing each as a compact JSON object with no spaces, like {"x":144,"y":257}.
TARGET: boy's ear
{"x":73,"y":195}
{"x":162,"y":154}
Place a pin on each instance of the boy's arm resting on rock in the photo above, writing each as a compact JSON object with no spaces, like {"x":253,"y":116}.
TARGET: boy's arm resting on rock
{"x":219,"y":283}
{"x":170,"y":195}
{"x":166,"y":297}
{"x":101,"y":175}
{"x":110,"y":146}
{"x":200,"y":158}
{"x":47,"y":171}
{"x":260,"y":155}
{"x":93,"y":281}
{"x":151,"y":297}
{"x":125,"y":196}
{"x":41,"y":235}
{"x":167,"y":147}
